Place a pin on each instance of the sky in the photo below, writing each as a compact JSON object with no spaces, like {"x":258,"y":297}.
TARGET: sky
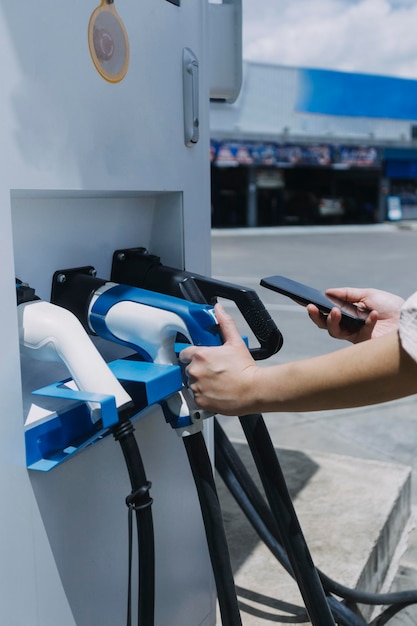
{"x":365,"y":36}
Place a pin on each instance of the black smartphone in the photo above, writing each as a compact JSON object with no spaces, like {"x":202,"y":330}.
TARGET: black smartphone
{"x":352,"y":317}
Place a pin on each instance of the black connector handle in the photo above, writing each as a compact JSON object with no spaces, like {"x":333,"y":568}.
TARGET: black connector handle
{"x":250,"y":306}
{"x":136,"y":267}
{"x":73,"y":289}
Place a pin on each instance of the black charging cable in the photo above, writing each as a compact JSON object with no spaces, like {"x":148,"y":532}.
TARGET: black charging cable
{"x":202,"y":471}
{"x":138,"y":502}
{"x":276,"y":491}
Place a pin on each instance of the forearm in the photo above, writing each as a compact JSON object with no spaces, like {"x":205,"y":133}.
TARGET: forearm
{"x":227,"y":380}
{"x":367,"y":373}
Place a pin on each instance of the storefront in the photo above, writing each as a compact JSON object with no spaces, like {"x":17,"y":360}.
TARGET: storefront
{"x":400,"y":172}
{"x":268,"y":184}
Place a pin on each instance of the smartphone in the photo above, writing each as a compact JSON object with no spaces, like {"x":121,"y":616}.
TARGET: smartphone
{"x":352,"y":317}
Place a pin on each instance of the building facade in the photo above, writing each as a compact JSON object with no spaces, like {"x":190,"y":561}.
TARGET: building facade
{"x":309,"y":146}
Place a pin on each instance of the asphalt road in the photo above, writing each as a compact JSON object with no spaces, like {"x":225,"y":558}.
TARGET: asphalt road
{"x":381,"y":256}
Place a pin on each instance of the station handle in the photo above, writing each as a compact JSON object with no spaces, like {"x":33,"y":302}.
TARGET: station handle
{"x":251,"y":308}
{"x":191,"y":101}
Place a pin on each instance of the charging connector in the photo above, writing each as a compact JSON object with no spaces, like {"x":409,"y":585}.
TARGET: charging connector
{"x":51,"y":333}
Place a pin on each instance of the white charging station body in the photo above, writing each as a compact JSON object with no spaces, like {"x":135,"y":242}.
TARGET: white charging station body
{"x":88,"y":167}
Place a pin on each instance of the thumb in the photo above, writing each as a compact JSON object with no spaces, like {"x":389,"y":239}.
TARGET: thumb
{"x":227,"y":325}
{"x":346,"y":294}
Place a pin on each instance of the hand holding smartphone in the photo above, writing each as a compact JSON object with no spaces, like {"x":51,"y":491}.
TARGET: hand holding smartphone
{"x":353,"y":317}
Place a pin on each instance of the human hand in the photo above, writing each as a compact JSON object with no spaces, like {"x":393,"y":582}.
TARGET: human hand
{"x":383,"y":318}
{"x":221,"y":378}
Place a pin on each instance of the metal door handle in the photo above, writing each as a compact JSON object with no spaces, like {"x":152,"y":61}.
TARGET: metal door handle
{"x":191,"y":101}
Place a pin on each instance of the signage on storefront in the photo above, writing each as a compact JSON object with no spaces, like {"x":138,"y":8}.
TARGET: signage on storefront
{"x":231,"y":153}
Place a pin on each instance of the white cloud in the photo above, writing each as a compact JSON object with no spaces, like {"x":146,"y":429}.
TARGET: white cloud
{"x":371,"y":36}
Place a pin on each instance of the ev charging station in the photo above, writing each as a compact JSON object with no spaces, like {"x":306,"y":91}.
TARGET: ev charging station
{"x":104,"y":172}
{"x":100,"y":152}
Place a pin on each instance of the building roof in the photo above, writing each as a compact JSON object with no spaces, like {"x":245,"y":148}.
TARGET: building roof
{"x":280,"y":103}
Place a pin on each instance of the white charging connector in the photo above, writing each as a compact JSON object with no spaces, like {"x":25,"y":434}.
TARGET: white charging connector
{"x":49,"y":332}
{"x":153,"y":329}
